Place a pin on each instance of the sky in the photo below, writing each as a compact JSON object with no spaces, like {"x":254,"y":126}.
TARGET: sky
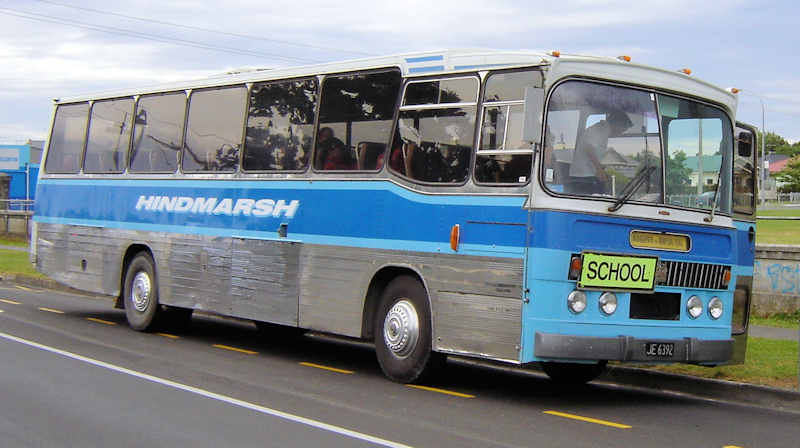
{"x":60,"y":48}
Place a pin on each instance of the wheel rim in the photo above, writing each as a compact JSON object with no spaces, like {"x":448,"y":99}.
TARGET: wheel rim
{"x":141,"y":291}
{"x":401,"y":328}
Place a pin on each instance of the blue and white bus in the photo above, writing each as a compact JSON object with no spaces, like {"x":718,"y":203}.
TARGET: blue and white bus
{"x":510,"y":206}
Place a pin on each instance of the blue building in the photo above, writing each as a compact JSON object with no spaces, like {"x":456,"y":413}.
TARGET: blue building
{"x":21,"y":162}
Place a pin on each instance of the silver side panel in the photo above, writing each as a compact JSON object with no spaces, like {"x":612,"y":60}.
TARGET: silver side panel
{"x":475,"y":301}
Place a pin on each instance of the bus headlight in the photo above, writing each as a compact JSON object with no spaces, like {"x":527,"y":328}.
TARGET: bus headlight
{"x":694,"y":306}
{"x":608,"y":303}
{"x":576,"y":301}
{"x":715,"y":308}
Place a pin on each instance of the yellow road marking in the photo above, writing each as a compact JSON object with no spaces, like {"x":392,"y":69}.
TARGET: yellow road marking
{"x":23,"y":288}
{"x":731,"y":446}
{"x":50,"y":310}
{"x":101,"y":321}
{"x":332,"y":369}
{"x":441,"y":391}
{"x":167,"y":335}
{"x":9,"y":301}
{"x":234,"y":349}
{"x":588,"y":419}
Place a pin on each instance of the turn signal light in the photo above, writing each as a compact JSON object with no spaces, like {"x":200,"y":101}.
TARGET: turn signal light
{"x":726,"y":278}
{"x":575,"y":266}
{"x":455,"y":235}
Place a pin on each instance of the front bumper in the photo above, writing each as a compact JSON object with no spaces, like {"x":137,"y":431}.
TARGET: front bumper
{"x":627,"y":348}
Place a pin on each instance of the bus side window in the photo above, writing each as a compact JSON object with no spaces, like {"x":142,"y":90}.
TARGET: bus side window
{"x":66,"y":141}
{"x":280,"y":125}
{"x":109,"y":136}
{"x":157,"y":133}
{"x":501,"y":128}
{"x":355,"y":120}
{"x":214,"y":129}
{"x":437,"y":142}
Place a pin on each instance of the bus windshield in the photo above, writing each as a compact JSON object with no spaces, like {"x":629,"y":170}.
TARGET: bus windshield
{"x":614,"y":142}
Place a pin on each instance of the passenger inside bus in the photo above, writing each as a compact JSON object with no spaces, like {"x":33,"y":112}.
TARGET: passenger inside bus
{"x":586,"y":174}
{"x":332,"y":154}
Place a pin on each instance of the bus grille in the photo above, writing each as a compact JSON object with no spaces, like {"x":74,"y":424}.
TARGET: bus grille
{"x":691,"y":275}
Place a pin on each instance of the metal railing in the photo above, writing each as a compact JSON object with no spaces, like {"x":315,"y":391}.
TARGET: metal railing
{"x":17,"y":205}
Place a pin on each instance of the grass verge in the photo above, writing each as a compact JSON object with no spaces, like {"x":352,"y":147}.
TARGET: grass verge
{"x":769,"y":362}
{"x":778,"y":320}
{"x":13,"y":240}
{"x":16,"y":262}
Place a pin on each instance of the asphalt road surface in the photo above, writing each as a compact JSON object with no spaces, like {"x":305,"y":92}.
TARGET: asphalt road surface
{"x":73,"y":374}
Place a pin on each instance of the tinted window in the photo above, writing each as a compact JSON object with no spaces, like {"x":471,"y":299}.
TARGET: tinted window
{"x":66,"y":140}
{"x":744,"y":179}
{"x":158,"y":131}
{"x":510,"y":86}
{"x":214,"y":129}
{"x":459,"y":90}
{"x":109,"y":136}
{"x":355,"y":120}
{"x":280,"y":125}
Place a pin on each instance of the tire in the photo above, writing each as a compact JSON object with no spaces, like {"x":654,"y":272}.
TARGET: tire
{"x":141,"y":293}
{"x":570,"y":373}
{"x":402,"y":332}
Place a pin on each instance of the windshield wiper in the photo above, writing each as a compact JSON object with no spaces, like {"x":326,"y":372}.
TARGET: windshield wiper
{"x":631,"y":188}
{"x":710,"y":216}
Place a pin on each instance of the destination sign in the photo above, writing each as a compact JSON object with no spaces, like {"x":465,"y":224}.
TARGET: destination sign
{"x":617,"y":272}
{"x":663,"y":241}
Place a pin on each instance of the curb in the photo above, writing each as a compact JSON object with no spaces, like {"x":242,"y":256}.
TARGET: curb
{"x":717,"y":390}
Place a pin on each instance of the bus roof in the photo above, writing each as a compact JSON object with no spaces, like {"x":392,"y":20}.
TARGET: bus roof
{"x":460,"y":60}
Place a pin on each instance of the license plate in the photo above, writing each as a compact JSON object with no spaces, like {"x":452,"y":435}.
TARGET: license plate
{"x":659,"y":349}
{"x":601,"y":271}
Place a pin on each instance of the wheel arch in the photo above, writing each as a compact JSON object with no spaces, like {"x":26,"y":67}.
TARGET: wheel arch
{"x":380,"y":279}
{"x":132,"y":251}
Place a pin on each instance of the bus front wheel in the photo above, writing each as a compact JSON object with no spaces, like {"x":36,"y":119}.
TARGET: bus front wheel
{"x":403,"y":332}
{"x":573,"y":373}
{"x":141,"y":293}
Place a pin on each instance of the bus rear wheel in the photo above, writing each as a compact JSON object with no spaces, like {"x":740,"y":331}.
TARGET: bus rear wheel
{"x":403,"y":332}
{"x":573,"y":373}
{"x":141,"y":293}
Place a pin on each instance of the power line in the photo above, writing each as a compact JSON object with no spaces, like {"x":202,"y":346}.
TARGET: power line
{"x":196,"y":28}
{"x":120,"y":31}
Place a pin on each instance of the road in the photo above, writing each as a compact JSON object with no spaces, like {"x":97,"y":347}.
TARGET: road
{"x":73,"y":374}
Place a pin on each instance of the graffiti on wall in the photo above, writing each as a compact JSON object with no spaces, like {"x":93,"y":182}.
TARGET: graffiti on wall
{"x":777,"y":277}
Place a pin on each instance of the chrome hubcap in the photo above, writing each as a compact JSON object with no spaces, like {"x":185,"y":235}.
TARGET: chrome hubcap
{"x":141,"y":291}
{"x":401,"y":328}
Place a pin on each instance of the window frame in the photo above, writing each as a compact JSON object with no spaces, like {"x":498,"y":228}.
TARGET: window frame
{"x":82,"y":149}
{"x":89,"y":131}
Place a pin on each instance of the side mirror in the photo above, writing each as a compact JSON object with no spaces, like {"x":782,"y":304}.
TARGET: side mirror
{"x":744,"y":144}
{"x":532,"y":126}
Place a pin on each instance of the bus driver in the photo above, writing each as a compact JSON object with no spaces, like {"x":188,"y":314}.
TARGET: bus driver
{"x":586,"y":174}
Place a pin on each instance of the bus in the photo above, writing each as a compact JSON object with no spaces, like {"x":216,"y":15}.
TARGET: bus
{"x":510,"y":206}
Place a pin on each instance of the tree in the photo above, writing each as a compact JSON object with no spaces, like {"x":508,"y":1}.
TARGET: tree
{"x":776,"y":143}
{"x":678,"y":174}
{"x":790,"y":175}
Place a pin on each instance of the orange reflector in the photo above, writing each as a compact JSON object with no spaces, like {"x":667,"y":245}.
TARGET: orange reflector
{"x":686,"y":71}
{"x":624,"y":58}
{"x":555,"y":53}
{"x":454,"y":237}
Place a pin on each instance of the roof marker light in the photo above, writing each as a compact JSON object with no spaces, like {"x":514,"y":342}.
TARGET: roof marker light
{"x":555,"y":53}
{"x":624,"y":58}
{"x":686,"y":71}
{"x":734,"y":90}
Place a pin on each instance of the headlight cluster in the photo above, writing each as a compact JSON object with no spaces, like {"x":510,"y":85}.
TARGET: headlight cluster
{"x":694,"y":306}
{"x":576,"y":302}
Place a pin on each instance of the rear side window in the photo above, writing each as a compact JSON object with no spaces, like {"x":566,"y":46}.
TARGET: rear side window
{"x":214,"y":129}
{"x":280,"y":126}
{"x":158,"y":132}
{"x":66,"y":140}
{"x":109,"y":136}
